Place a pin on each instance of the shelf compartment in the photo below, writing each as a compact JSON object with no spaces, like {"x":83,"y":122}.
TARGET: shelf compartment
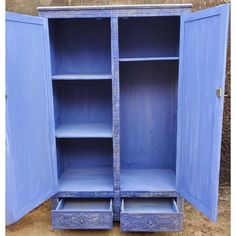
{"x":80,"y":46}
{"x":85,"y":166}
{"x":83,"y":214}
{"x":148,"y":105}
{"x":84,"y":131}
{"x":82,"y":77}
{"x":82,"y":102}
{"x":86,"y":180}
{"x":147,"y":180}
{"x":149,"y":37}
{"x":130,"y":59}
{"x":153,"y":215}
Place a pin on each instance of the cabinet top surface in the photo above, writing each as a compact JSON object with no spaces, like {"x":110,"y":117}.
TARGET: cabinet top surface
{"x":114,"y":7}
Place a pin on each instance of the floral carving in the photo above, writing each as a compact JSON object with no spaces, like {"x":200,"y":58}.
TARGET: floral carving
{"x":113,"y":13}
{"x":82,"y":220}
{"x":151,"y":222}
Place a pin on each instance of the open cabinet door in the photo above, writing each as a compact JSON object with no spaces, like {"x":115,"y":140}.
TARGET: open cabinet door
{"x":203,"y":47}
{"x":30,"y":144}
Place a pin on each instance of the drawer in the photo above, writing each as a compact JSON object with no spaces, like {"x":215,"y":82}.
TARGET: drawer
{"x":159,"y":214}
{"x":83,"y":214}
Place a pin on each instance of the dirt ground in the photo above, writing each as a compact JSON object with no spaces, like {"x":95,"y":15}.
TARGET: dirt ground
{"x":38,"y":223}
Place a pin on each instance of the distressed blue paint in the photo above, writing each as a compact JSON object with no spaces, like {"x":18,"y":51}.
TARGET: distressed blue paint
{"x":83,"y":102}
{"x":149,"y":194}
{"x":84,"y":131}
{"x":85,"y":204}
{"x":159,"y":205}
{"x":81,"y":77}
{"x":150,"y":215}
{"x":148,"y":37}
{"x":116,"y":115}
{"x":151,"y":222}
{"x":78,"y":153}
{"x":31,"y":176}
{"x":148,"y":115}
{"x":152,"y":180}
{"x":164,"y":58}
{"x":180,"y":203}
{"x":160,"y":195}
{"x":116,"y":11}
{"x":82,"y":220}
{"x":81,"y":46}
{"x":83,"y":214}
{"x":202,"y":71}
{"x":94,"y":61}
{"x":86,"y":180}
{"x":85,"y":194}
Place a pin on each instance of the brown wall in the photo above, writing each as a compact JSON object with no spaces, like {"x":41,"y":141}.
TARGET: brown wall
{"x":29,"y":7}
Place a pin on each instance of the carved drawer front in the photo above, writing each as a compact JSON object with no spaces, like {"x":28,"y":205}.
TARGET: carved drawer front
{"x":160,"y":214}
{"x":83,"y":214}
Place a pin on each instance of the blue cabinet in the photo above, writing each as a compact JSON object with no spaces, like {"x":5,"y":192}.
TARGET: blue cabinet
{"x":115,"y":113}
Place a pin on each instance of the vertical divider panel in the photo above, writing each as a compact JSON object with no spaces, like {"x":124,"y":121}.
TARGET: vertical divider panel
{"x":116,"y":115}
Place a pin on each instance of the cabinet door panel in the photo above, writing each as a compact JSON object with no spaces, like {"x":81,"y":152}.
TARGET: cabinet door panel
{"x":200,"y":107}
{"x":30,"y":156}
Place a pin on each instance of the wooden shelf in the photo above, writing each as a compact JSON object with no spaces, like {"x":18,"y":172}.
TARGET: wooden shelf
{"x":130,"y":59}
{"x":82,"y":77}
{"x":86,"y":180}
{"x":84,"y":131}
{"x":147,"y":180}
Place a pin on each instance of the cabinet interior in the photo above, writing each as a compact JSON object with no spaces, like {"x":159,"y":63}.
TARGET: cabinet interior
{"x":155,"y":205}
{"x":148,"y":114}
{"x":119,"y":80}
{"x":82,"y":87}
{"x":94,"y":205}
{"x":85,"y":164}
{"x":80,"y":46}
{"x":144,"y":37}
{"x":80,"y":102}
